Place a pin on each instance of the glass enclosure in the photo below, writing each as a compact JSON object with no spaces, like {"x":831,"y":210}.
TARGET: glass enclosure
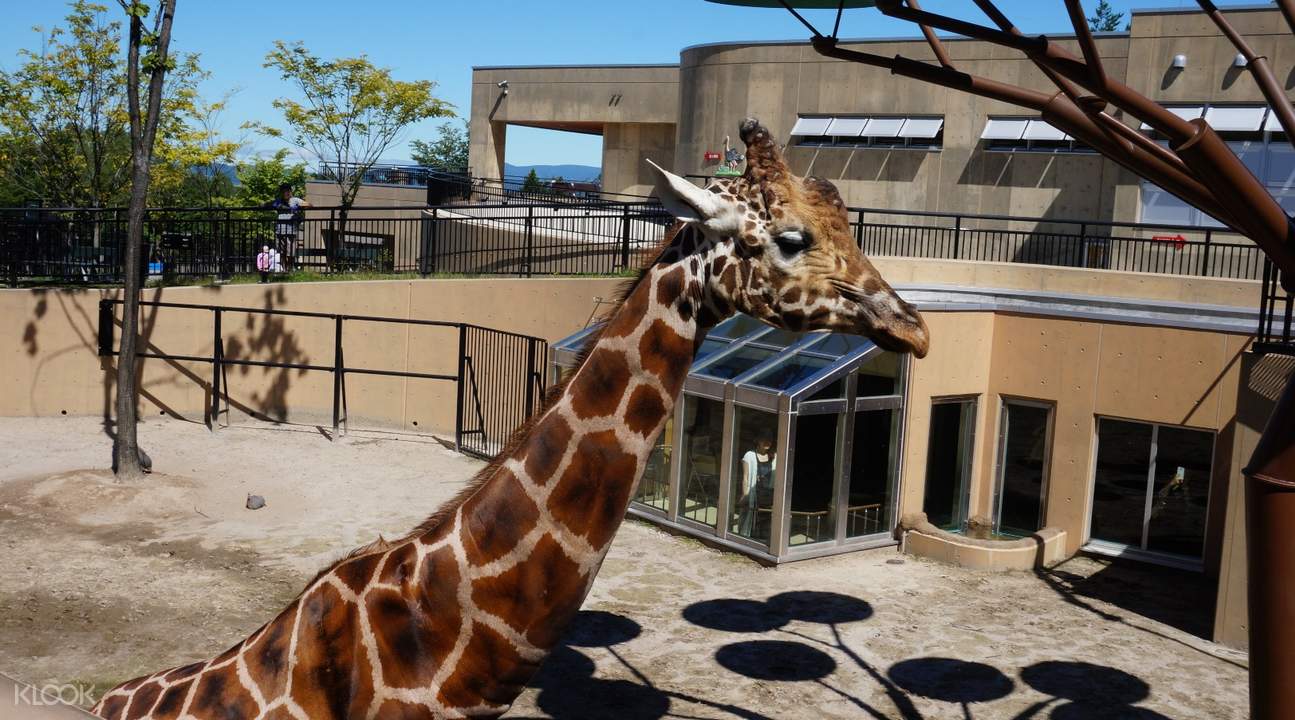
{"x":1024,"y":437}
{"x":783,"y":445}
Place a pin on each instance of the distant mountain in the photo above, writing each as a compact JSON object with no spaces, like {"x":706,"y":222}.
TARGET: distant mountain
{"x":579,"y":173}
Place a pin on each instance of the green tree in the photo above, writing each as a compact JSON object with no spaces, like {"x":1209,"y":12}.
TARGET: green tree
{"x":191,"y":168}
{"x":259,"y":179}
{"x":349,"y":114}
{"x":64,"y":117}
{"x":147,"y":63}
{"x":449,"y":151}
{"x":1104,"y":18}
{"x":532,"y":183}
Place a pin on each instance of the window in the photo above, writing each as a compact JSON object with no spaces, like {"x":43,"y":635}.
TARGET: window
{"x":1151,"y":488}
{"x":1027,"y":134}
{"x":755,"y":462}
{"x":855,"y":132}
{"x":873,"y":460}
{"x":1023,"y":449}
{"x":702,"y":439}
{"x":948,"y":462}
{"x":1254,"y":134}
{"x":654,"y":486}
{"x":812,"y":496}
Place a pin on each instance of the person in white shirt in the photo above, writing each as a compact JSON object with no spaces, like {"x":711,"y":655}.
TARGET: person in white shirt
{"x":758,"y":465}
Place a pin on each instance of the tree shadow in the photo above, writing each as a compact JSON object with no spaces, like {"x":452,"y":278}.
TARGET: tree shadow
{"x":951,"y":681}
{"x":1086,"y":691}
{"x":1181,"y":599}
{"x":569,"y":689}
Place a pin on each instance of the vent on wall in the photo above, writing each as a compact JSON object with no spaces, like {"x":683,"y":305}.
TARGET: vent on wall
{"x":862,"y":132}
{"x":1027,"y":134}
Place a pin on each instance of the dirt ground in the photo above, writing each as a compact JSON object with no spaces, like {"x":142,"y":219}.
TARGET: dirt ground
{"x":103,"y":582}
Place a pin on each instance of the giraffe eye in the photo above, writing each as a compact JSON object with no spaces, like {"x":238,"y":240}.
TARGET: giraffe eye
{"x":792,"y":241}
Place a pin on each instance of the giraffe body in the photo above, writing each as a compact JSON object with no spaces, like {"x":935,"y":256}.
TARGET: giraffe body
{"x":452,"y":620}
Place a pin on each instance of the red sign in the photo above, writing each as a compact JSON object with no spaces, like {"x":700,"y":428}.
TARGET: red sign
{"x":711,"y":156}
{"x":1178,"y":240}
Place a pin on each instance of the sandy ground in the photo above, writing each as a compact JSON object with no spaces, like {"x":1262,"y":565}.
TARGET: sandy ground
{"x":103,"y":582}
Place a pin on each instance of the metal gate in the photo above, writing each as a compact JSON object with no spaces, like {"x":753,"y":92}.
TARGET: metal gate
{"x":501,"y":383}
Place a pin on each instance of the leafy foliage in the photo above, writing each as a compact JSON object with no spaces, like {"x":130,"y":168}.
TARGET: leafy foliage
{"x":449,"y":151}
{"x":259,"y":179}
{"x":1104,"y":18}
{"x":64,"y":124}
{"x":350,"y":111}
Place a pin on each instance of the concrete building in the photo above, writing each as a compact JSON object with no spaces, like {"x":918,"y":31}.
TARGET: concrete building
{"x":845,"y":122}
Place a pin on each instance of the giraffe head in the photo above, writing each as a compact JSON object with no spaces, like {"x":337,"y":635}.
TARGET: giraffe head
{"x":795,"y":261}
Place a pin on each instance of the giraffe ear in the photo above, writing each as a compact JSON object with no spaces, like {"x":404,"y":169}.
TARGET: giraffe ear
{"x":690,"y":203}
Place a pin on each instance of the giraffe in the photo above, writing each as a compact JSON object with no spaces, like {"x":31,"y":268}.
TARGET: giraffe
{"x":452,"y":620}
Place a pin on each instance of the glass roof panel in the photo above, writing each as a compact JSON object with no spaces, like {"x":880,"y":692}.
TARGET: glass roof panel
{"x":790,"y":372}
{"x":577,"y":341}
{"x":708,"y":347}
{"x":736,"y":363}
{"x":838,"y":344}
{"x":779,"y":338}
{"x":735,"y":327}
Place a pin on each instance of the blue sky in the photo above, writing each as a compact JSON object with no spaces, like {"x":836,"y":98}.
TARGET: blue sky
{"x":441,"y":40}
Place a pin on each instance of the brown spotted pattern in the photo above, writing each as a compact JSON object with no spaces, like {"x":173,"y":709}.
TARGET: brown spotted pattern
{"x":452,"y":620}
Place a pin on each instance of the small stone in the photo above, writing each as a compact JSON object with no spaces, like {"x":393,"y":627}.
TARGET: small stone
{"x":895,"y":561}
{"x":255,"y":502}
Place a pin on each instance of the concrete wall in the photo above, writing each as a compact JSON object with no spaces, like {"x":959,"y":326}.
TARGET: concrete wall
{"x":325,"y":194}
{"x":54,"y":368}
{"x":629,"y":105}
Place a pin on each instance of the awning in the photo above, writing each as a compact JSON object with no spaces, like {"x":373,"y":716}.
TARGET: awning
{"x":1272,"y":124}
{"x":924,"y":128}
{"x":883,"y":127}
{"x":1041,"y":130}
{"x":1009,"y":128}
{"x":846,"y":127}
{"x":1186,"y":112}
{"x":811,"y":126}
{"x":1248,"y":118}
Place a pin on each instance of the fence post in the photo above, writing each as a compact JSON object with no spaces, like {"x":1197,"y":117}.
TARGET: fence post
{"x":625,"y":236}
{"x":227,"y":249}
{"x":337,"y":372}
{"x":1205,"y":255}
{"x":1083,"y":242}
{"x":105,"y":328}
{"x":530,"y":386}
{"x":530,"y":238}
{"x":458,"y":399}
{"x":957,"y":237}
{"x":429,"y":262}
{"x":858,"y":230}
{"x":216,"y":357}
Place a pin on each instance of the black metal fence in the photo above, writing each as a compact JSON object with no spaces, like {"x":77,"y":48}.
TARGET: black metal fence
{"x":1276,"y":312}
{"x":498,"y":376}
{"x":511,"y":236}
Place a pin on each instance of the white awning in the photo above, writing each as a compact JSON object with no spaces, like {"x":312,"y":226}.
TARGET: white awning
{"x":924,"y":128}
{"x":1041,"y":130}
{"x":846,"y":127}
{"x":1186,"y":112}
{"x":1248,"y":118}
{"x":811,"y":126}
{"x":1272,"y":124}
{"x":1009,"y":128}
{"x":883,"y":127}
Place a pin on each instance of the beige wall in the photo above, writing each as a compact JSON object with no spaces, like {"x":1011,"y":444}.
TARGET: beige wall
{"x":55,"y":370}
{"x":626,"y":149}
{"x":326,"y":194}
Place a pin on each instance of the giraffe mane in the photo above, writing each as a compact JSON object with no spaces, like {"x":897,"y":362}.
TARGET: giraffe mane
{"x":447,"y":509}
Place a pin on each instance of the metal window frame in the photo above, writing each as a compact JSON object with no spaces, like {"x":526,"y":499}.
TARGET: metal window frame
{"x":967,"y":434}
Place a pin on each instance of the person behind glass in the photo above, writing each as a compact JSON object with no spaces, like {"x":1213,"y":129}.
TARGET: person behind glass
{"x":289,"y":213}
{"x":758,"y":465}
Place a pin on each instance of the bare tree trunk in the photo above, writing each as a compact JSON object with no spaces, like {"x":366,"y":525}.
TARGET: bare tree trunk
{"x":129,"y":462}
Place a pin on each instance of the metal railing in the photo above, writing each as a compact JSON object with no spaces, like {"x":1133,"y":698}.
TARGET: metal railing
{"x":498,"y":376}
{"x":522,"y":236}
{"x":1276,"y":311}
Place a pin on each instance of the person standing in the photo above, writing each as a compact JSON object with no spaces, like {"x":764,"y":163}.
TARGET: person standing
{"x":289,"y":212}
{"x":265,"y":263}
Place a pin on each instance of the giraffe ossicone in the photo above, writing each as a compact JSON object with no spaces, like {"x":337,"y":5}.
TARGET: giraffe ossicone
{"x":452,"y":620}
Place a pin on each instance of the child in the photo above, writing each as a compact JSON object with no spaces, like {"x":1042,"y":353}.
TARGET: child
{"x":264,"y":263}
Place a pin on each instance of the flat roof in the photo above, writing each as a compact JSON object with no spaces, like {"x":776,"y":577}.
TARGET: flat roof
{"x":575,"y":65}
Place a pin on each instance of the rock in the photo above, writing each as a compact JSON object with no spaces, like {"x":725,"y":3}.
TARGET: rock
{"x":255,"y":502}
